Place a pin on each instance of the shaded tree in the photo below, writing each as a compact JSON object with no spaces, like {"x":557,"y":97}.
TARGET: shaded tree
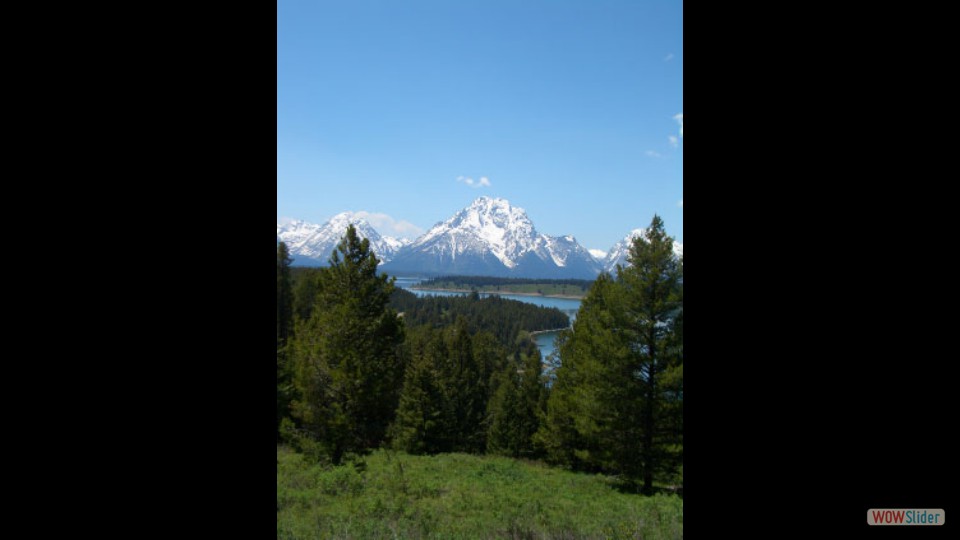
{"x":446,"y":390}
{"x":515,"y":408}
{"x":347,"y":366}
{"x":284,"y":329}
{"x":616,"y":404}
{"x":306,"y":286}
{"x":424,"y":419}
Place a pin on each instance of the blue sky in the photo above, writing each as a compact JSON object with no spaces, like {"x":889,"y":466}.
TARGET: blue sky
{"x":571,"y":110}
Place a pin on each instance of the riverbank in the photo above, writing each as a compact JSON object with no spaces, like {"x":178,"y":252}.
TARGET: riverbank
{"x":468,"y":291}
{"x":535,"y":332}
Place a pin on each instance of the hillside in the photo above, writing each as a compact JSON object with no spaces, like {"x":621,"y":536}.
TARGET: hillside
{"x":461,"y":496}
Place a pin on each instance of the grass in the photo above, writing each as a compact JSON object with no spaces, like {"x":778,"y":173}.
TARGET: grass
{"x":396,"y":495}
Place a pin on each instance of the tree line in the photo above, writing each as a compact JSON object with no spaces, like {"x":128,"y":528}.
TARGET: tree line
{"x":505,"y":319}
{"x":461,"y":373}
{"x":483,"y":281}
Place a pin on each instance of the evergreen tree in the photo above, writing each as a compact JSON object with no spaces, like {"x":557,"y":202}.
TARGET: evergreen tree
{"x":515,"y":408}
{"x":424,"y":418}
{"x":653,"y":286}
{"x":502,"y":436}
{"x":616,"y":404}
{"x":446,"y":390}
{"x":305,"y":289}
{"x":284,"y":295}
{"x":284,"y":329}
{"x":587,"y":391}
{"x":346,"y":356}
{"x":466,"y":389}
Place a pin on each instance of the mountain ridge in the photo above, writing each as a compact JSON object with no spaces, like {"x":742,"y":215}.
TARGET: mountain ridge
{"x":311,"y":244}
{"x":493,"y":237}
{"x":489,"y":237}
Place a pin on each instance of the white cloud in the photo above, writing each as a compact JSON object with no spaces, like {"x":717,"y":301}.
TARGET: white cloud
{"x":653,"y":154}
{"x":680,"y":203}
{"x":679,"y":118}
{"x":598,"y":253}
{"x":668,"y":58}
{"x":482,"y":182}
{"x":673,"y":140}
{"x":387,"y":225}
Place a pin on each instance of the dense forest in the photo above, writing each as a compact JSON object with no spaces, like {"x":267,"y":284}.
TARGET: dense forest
{"x":505,"y":319}
{"x":363,"y":365}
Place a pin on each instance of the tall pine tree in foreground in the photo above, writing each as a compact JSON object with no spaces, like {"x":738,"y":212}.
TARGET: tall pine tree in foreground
{"x":347,"y":366}
{"x":616,"y":404}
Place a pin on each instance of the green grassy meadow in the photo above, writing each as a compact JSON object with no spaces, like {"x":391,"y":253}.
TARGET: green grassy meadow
{"x":396,"y":495}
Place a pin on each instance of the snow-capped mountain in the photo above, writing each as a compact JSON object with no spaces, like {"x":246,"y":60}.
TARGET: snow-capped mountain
{"x":296,"y":233}
{"x":311,"y":244}
{"x":598,"y":254}
{"x":619,"y":252}
{"x":491,"y":237}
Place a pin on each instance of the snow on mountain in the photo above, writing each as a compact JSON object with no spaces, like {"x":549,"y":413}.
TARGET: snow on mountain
{"x":394,"y":244}
{"x":491,"y":237}
{"x":312,"y":244}
{"x":619,"y":252}
{"x":296,"y":233}
{"x":598,"y":254}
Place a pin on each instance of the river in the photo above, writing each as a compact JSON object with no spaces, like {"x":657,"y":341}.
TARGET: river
{"x":545,"y":340}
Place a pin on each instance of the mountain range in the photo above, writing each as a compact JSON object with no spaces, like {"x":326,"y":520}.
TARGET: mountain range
{"x":311,"y":245}
{"x":490,"y":237}
{"x":619,"y":252}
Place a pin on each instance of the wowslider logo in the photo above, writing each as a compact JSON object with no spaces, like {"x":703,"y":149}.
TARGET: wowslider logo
{"x":904,"y":516}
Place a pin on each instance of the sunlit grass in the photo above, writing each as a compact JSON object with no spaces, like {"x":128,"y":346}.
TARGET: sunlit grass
{"x":461,"y":496}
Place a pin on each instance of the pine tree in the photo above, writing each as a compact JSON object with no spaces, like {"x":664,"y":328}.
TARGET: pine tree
{"x":515,"y":408}
{"x":284,"y":330}
{"x":587,"y":394}
{"x":305,"y":290}
{"x":616,"y":404}
{"x":653,"y":286}
{"x":466,"y":389}
{"x":346,"y":356}
{"x":501,"y":438}
{"x":446,"y":390}
{"x":424,"y":420}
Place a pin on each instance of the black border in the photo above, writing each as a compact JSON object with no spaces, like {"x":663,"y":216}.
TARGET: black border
{"x":821,"y":295}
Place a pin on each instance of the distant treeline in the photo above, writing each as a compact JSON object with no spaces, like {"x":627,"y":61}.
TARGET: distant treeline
{"x":481,"y":281}
{"x":556,"y":287}
{"x":502,"y":318}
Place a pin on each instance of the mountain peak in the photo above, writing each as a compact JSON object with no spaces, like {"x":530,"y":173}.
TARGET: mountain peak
{"x":618,"y":254}
{"x":346,"y":218}
{"x":313,"y":244}
{"x":493,"y":237}
{"x":485,"y":201}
